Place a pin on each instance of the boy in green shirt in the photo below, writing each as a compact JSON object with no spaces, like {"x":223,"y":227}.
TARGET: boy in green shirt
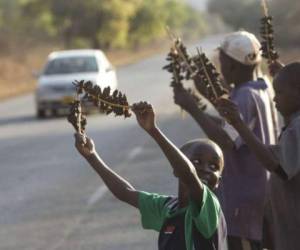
{"x":194,"y":219}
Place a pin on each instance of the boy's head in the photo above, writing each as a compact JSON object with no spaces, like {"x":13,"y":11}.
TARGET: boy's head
{"x":239,"y":54}
{"x":287,"y":89}
{"x":207,"y":157}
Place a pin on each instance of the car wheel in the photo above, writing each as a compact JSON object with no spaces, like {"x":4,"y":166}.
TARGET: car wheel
{"x":41,"y":113}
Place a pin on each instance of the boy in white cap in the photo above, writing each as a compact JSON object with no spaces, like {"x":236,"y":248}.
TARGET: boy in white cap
{"x":242,"y":191}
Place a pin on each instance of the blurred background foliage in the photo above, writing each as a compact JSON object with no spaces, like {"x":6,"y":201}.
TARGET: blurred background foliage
{"x":31,"y":29}
{"x":245,"y":14}
{"x":105,"y":24}
{"x":131,"y":24}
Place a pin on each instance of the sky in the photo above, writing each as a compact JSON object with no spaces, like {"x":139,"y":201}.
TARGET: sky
{"x":199,"y":4}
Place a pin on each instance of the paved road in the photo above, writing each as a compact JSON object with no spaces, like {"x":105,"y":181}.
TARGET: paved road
{"x":52,"y":200}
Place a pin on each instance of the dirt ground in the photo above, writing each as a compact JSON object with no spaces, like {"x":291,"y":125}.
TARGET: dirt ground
{"x":17,"y":71}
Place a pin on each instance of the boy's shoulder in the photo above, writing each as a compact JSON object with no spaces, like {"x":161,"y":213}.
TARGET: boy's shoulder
{"x":296,"y":119}
{"x":293,"y":126}
{"x":252,"y":86}
{"x":209,"y":203}
{"x":208,"y":217}
{"x":250,"y":92}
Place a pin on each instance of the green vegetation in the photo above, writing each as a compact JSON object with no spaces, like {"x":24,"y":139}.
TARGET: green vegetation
{"x":246,"y":14}
{"x":106,"y":24}
{"x":31,"y":29}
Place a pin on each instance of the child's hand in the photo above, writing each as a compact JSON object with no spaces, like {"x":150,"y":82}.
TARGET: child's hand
{"x":184,"y":99}
{"x":144,"y":115}
{"x":275,"y":67}
{"x":199,"y":85}
{"x":229,"y":110}
{"x":84,"y":145}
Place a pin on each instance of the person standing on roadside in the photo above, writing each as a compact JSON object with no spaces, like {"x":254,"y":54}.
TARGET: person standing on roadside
{"x":242,"y":191}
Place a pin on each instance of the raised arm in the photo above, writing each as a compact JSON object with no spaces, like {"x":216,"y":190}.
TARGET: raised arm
{"x":212,"y":126}
{"x":229,"y":111}
{"x":181,"y":165}
{"x":275,"y":67}
{"x":120,"y":188}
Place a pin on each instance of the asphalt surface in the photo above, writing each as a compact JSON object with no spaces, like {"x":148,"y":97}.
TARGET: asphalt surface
{"x":51,"y":199}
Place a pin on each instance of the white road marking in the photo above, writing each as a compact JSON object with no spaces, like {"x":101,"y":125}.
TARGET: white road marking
{"x":100,"y":192}
{"x":93,"y":199}
{"x":134,"y":153}
{"x":68,"y":233}
{"x":97,"y":195}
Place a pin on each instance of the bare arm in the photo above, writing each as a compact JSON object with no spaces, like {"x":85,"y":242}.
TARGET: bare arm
{"x":212,"y":129}
{"x":181,"y":165}
{"x":275,"y":67}
{"x":211,"y":125}
{"x":230,"y":112}
{"x":120,"y":188}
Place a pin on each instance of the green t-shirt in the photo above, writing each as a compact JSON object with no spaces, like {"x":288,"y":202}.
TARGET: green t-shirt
{"x":156,"y":209}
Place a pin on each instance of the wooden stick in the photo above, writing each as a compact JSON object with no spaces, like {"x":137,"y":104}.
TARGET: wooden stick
{"x":80,"y":113}
{"x":206,"y":73}
{"x":174,"y":38}
{"x":171,"y":34}
{"x":265,"y":7}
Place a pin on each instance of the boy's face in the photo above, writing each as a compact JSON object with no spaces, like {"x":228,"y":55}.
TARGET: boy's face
{"x":208,"y":162}
{"x":287,"y":96}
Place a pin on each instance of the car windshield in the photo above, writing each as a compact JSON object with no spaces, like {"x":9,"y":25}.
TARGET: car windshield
{"x":70,"y":65}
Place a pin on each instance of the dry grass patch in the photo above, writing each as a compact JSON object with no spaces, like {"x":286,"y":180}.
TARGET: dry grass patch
{"x":16,"y":71}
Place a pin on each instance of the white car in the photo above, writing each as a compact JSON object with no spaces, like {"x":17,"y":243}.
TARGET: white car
{"x":55,"y":90}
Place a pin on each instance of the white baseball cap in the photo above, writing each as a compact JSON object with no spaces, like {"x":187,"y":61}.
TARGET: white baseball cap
{"x":243,"y":47}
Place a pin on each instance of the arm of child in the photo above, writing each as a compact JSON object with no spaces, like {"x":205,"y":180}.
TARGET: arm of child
{"x":212,"y":126}
{"x":181,"y":165}
{"x":287,"y":151}
{"x":229,"y":111}
{"x":275,"y":67}
{"x":120,"y":188}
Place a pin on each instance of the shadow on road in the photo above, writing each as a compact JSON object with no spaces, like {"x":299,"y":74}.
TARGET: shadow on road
{"x":31,"y":118}
{"x":26,"y":119}
{"x":17,"y":120}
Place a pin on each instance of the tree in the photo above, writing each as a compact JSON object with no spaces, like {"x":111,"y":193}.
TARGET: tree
{"x":247,"y":13}
{"x":106,"y":24}
{"x":96,"y":21}
{"x":147,"y":22}
{"x":152,"y":16}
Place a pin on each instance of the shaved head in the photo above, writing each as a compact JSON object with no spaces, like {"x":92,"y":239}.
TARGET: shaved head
{"x":290,"y":74}
{"x":203,"y":146}
{"x":287,"y":89}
